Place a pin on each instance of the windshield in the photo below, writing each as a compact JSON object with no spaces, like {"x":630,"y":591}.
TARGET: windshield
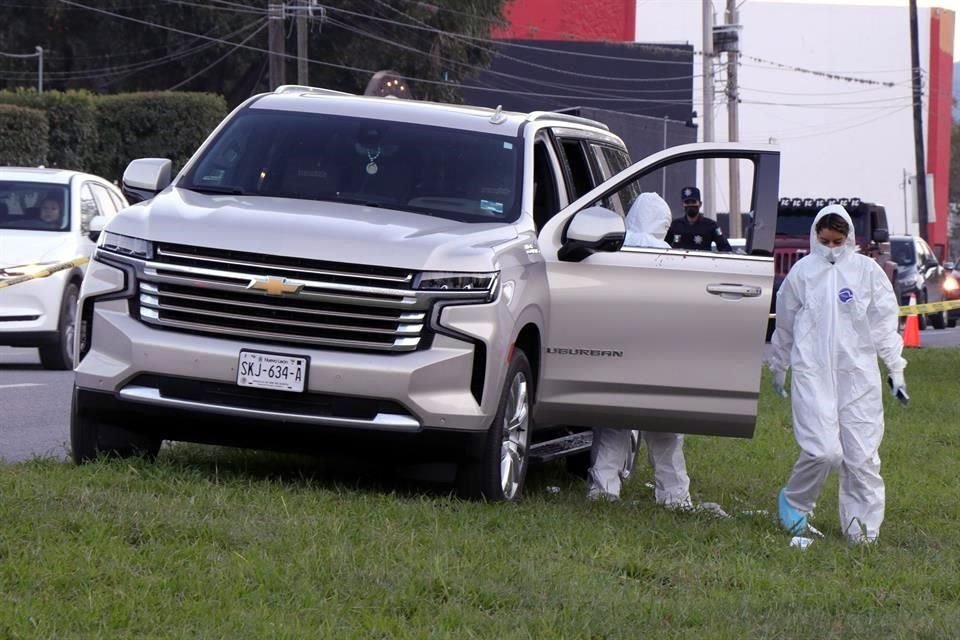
{"x":902,"y":252}
{"x":461,"y":175}
{"x":34,"y":206}
{"x":797,"y":222}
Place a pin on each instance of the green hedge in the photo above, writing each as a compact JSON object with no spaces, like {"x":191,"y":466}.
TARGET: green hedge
{"x":153,"y":124}
{"x":72,"y":121}
{"x":23,"y":136}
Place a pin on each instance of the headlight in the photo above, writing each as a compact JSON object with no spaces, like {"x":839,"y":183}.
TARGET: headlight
{"x":125,"y":245}
{"x":950,"y":284}
{"x":452,"y":281}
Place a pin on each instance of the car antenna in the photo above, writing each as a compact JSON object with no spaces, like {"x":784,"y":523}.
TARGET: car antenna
{"x":498,"y":117}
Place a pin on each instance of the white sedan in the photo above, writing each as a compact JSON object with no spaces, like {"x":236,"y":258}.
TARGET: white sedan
{"x":45,"y":217}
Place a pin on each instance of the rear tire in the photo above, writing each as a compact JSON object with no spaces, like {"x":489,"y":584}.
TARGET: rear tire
{"x":939,"y":320}
{"x":922,"y":317}
{"x":59,"y":356}
{"x":497,"y":469}
{"x":91,"y":437}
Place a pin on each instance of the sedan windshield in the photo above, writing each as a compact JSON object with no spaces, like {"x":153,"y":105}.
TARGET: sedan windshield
{"x":34,"y":206}
{"x":902,"y":252}
{"x":450,"y":173}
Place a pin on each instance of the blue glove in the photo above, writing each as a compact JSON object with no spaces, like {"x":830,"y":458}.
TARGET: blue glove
{"x":780,"y":383}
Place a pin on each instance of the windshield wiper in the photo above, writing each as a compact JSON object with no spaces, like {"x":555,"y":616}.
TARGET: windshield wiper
{"x":228,"y":191}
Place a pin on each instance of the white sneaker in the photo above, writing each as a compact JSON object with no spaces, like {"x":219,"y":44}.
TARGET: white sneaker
{"x":595,"y":493}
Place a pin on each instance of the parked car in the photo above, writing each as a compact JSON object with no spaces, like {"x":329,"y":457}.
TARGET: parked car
{"x":45,"y":217}
{"x":330,"y":266}
{"x":919,"y":273}
{"x":951,"y":291}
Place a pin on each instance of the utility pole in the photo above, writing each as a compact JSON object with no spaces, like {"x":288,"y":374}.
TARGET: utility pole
{"x":276,"y":44}
{"x":302,"y":73}
{"x":708,"y":190}
{"x":921,"y":181}
{"x":40,"y":70}
{"x":733,"y":119}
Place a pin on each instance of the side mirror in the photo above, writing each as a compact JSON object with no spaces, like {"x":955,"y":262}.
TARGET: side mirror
{"x":591,"y":230}
{"x":949,"y":266}
{"x":881,"y":235}
{"x":145,"y":178}
{"x":97,"y":223}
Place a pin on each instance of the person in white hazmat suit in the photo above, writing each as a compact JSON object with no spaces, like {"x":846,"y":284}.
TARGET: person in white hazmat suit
{"x":836,"y":312}
{"x":613,"y":450}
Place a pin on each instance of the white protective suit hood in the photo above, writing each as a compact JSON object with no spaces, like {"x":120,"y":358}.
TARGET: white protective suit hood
{"x":837,"y":253}
{"x":647,"y":222}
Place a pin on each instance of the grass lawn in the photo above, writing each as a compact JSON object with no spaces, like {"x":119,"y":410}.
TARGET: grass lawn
{"x":215,"y":543}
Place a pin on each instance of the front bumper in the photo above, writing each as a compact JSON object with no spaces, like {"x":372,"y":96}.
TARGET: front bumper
{"x":30,"y":311}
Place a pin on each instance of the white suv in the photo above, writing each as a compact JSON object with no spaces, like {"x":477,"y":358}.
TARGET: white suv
{"x":330,"y":266}
{"x":45,"y":217}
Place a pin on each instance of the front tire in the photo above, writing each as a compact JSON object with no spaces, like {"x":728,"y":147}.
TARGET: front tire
{"x":59,"y":356}
{"x":91,"y":436}
{"x":497,"y":471}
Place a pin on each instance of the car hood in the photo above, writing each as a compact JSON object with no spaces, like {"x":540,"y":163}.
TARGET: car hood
{"x":32,"y":247}
{"x":316,"y":230}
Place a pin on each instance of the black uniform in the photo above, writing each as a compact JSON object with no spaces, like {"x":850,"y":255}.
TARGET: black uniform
{"x":697,"y":235}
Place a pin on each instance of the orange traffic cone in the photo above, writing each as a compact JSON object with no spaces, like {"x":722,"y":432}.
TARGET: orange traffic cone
{"x":911,"y":330}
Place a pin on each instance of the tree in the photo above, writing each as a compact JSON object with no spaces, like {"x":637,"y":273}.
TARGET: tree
{"x":158,"y":48}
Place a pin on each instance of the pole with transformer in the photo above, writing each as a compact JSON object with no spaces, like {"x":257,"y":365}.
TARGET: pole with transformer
{"x":708,"y":190}
{"x":276,"y":44}
{"x":921,"y":181}
{"x":40,"y":70}
{"x":733,"y":116}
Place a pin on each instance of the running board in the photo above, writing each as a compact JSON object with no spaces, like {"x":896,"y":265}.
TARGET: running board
{"x":559,"y":447}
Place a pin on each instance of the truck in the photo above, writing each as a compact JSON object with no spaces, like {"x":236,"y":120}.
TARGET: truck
{"x":449,"y":281}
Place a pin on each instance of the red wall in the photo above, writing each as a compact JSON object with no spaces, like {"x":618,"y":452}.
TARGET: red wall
{"x":571,"y":20}
{"x":940,"y":120}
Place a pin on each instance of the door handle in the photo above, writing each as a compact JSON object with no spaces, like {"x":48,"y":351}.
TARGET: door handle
{"x":733,"y":290}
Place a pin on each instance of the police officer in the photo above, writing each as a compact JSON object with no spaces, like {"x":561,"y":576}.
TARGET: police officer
{"x":693,"y":231}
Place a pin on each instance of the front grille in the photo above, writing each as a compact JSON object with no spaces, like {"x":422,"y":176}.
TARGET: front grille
{"x":282,"y":300}
{"x":784,"y":260}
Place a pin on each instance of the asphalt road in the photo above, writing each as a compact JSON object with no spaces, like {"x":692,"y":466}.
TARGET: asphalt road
{"x":35,"y":404}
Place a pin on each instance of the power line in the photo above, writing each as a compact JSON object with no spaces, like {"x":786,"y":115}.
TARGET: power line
{"x":263,"y":24}
{"x":81,"y":74}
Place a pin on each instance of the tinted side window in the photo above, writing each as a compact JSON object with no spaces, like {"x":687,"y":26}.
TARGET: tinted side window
{"x":546,"y":201}
{"x":578,"y":167}
{"x":105,"y":203}
{"x":88,"y":208}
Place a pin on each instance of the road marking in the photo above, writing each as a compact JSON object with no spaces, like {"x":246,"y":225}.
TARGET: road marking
{"x":22,"y":384}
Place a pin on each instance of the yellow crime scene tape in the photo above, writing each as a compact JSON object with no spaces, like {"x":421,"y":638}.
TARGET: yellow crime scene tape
{"x":920,"y":309}
{"x":43,"y":272}
{"x":908,"y":310}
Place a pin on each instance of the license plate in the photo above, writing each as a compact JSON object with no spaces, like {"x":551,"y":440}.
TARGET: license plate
{"x":272,"y":371}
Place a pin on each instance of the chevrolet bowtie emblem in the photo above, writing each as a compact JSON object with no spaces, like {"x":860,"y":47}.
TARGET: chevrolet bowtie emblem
{"x":274,"y":286}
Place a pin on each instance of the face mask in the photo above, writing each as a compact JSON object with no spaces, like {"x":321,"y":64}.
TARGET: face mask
{"x":832,"y":254}
{"x":692,"y":212}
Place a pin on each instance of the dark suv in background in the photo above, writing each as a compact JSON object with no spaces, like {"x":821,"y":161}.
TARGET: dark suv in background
{"x":919,"y":273}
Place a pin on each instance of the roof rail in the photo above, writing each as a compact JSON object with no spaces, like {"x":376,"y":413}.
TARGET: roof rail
{"x":300,"y":88}
{"x":564,"y":117}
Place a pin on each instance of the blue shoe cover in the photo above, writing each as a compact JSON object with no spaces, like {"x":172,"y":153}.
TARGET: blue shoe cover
{"x":790,"y":519}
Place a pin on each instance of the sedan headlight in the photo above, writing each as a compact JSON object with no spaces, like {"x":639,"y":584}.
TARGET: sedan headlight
{"x":950,"y":284}
{"x":125,"y":245}
{"x":453,"y":281}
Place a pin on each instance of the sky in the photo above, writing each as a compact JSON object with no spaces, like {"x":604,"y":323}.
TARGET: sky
{"x":953,"y":5}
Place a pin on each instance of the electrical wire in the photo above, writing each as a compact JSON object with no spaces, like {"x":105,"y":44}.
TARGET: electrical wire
{"x":262,"y":26}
